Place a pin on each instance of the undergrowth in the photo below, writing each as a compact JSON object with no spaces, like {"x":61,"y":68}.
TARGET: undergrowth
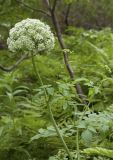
{"x":26,"y":131}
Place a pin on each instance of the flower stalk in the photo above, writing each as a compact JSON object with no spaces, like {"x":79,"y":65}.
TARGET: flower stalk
{"x":49,"y":109}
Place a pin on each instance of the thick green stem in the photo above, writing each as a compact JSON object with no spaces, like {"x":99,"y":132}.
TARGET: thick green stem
{"x":36,"y":71}
{"x":58,"y":133}
{"x":50,"y":111}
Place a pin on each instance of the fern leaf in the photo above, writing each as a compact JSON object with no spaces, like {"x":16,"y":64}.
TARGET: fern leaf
{"x":99,"y":151}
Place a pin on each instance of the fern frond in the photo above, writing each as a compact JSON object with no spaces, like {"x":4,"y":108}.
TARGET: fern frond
{"x":99,"y":151}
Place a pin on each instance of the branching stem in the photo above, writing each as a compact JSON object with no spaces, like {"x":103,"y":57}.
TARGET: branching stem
{"x":11,"y":68}
{"x":33,"y":9}
{"x":63,"y":46}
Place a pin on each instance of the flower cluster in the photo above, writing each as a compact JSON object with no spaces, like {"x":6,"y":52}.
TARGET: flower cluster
{"x":30,"y":35}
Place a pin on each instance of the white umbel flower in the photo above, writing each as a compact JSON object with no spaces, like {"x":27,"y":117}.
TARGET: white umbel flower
{"x":30,"y":35}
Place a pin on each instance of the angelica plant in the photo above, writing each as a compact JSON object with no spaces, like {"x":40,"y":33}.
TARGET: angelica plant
{"x":31,"y":37}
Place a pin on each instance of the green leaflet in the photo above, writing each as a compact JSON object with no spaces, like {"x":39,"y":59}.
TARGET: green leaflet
{"x":99,"y":151}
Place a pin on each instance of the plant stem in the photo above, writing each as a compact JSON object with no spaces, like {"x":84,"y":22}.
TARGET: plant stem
{"x":58,"y":133}
{"x":63,"y":46}
{"x":36,"y":71}
{"x":50,"y":111}
{"x":77,"y":135}
{"x":77,"y":143}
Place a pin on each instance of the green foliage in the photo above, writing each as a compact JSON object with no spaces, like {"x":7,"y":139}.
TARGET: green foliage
{"x":69,"y":1}
{"x":99,"y":151}
{"x":86,"y":154}
{"x":62,"y":155}
{"x":26,"y":131}
{"x":96,"y":128}
{"x":25,"y":121}
{"x":92,"y":52}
